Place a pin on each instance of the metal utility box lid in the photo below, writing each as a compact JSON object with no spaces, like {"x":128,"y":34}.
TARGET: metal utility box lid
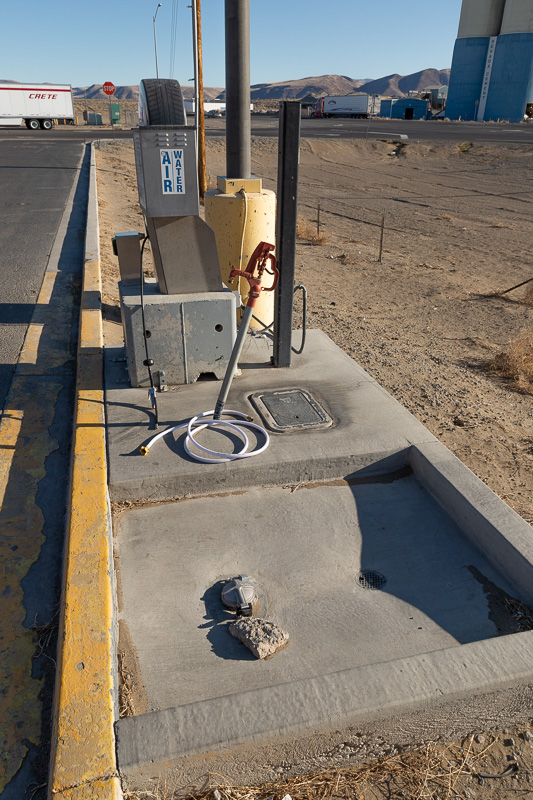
{"x":290,"y":410}
{"x":167,"y":174}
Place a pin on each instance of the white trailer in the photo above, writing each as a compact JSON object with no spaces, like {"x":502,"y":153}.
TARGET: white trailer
{"x":349,"y":105}
{"x":36,"y":104}
{"x":191,"y":104}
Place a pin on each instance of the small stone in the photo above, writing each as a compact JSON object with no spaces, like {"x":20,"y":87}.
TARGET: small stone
{"x":528,"y":736}
{"x":509,"y":742}
{"x":480,"y":739}
{"x":263,"y":638}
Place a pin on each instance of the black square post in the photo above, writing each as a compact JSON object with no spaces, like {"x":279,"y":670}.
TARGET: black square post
{"x":288,"y":162}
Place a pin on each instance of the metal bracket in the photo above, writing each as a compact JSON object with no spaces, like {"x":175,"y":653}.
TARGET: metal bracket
{"x":162,"y":378}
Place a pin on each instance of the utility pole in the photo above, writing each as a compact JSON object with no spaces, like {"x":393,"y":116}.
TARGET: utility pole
{"x":238,"y":124}
{"x":202,"y":174}
{"x":159,"y":5}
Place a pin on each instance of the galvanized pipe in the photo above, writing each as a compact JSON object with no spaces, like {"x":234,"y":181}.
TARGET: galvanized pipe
{"x":233,"y":361}
{"x":238,"y":126}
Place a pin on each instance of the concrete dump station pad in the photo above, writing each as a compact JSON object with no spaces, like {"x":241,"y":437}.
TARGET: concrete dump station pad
{"x":372,"y":495}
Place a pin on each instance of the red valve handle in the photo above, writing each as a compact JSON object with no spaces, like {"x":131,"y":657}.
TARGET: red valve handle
{"x":259,"y":258}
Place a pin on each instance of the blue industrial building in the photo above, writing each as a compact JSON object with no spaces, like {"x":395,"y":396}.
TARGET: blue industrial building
{"x":409,"y":108}
{"x":492,"y":66}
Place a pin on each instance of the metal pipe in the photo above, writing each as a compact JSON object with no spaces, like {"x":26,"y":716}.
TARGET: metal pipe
{"x":238,"y":125}
{"x":233,"y":361}
{"x":288,"y":160}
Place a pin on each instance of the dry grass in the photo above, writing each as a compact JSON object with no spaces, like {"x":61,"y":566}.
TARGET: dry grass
{"x":307,"y":232}
{"x":516,"y":362}
{"x":432,"y":772}
{"x":126,"y":687}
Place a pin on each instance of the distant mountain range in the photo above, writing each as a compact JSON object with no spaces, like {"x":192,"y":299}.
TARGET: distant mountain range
{"x":304,"y":88}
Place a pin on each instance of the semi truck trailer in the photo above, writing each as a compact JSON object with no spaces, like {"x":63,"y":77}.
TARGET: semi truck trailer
{"x":349,"y":105}
{"x":38,"y":105}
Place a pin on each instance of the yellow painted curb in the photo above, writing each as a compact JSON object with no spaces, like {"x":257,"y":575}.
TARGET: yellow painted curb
{"x":99,"y":790}
{"x":83,"y":761}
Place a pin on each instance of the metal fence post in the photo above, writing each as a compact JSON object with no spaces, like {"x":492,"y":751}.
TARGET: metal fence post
{"x":288,"y":162}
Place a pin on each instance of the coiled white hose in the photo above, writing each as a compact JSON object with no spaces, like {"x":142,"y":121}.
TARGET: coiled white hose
{"x":205,"y":420}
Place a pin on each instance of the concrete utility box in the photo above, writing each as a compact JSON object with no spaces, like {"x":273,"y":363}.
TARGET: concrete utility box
{"x":189,"y":334}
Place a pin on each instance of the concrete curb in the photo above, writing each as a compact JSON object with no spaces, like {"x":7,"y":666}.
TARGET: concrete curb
{"x":83,"y":759}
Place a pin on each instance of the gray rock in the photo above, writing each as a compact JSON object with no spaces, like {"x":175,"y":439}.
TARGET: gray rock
{"x":263,"y":638}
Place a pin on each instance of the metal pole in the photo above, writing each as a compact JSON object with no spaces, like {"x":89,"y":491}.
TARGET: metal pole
{"x":238,"y":126}
{"x":155,"y":41}
{"x":288,"y":160}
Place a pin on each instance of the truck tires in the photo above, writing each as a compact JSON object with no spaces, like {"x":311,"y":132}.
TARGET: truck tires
{"x":161,"y":102}
{"x":47,"y":124}
{"x":33,"y":124}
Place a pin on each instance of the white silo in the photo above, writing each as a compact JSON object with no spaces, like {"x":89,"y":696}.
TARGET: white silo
{"x":517,"y":17}
{"x":481,"y":18}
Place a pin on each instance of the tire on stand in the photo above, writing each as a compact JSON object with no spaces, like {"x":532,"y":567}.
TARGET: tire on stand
{"x":161,"y":102}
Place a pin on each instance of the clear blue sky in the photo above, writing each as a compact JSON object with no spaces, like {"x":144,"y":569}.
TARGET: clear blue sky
{"x":84,"y":43}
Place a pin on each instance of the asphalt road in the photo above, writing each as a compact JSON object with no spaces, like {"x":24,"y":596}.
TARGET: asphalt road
{"x":434,"y":131}
{"x":36,"y":177}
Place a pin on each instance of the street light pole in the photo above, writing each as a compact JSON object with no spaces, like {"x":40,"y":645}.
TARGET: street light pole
{"x":155,"y":41}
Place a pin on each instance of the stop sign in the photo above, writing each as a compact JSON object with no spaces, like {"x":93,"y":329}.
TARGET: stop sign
{"x":109,"y":88}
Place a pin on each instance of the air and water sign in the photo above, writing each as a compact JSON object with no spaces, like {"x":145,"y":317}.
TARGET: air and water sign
{"x":172,"y":171}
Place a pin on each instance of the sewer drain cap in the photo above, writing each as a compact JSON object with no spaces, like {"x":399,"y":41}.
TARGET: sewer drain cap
{"x":371,"y":579}
{"x":239,"y":595}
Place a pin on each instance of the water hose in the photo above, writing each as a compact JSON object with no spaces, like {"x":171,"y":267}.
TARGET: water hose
{"x":212,"y":419}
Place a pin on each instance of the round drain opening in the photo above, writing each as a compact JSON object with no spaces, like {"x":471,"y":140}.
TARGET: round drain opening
{"x":371,"y":579}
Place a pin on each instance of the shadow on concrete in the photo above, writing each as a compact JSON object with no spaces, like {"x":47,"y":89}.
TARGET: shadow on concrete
{"x":429,"y":563}
{"x":223,"y":644}
{"x":33,"y":513}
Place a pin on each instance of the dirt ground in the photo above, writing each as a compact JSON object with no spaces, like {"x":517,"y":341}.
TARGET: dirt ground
{"x":425,"y":322}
